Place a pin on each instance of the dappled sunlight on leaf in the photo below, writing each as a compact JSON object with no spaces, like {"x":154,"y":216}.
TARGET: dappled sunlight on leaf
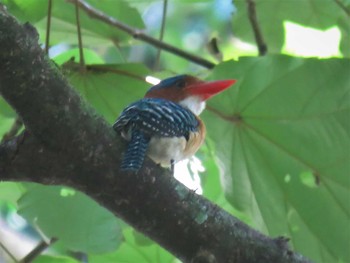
{"x":310,"y":42}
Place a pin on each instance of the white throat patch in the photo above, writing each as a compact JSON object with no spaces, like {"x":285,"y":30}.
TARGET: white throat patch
{"x":194,"y":104}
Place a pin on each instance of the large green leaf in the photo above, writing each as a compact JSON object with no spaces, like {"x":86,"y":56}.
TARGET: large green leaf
{"x":90,"y":56}
{"x":76,"y":220}
{"x":110,"y":88}
{"x":321,"y":14}
{"x":5,"y":109}
{"x":283,"y":135}
{"x":131,"y":252}
{"x":210,"y":181}
{"x":5,"y":125}
{"x":10,"y":192}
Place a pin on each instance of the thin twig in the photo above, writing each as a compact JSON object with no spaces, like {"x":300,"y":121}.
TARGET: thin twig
{"x":37,"y":250}
{"x":161,"y":35}
{"x":137,"y":34}
{"x":2,"y":246}
{"x":16,"y":126}
{"x":48,"y":27}
{"x":80,"y":41}
{"x":342,"y":6}
{"x":262,"y":47}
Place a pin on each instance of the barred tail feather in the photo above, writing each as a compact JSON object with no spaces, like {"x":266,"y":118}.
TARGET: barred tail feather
{"x":135,"y":152}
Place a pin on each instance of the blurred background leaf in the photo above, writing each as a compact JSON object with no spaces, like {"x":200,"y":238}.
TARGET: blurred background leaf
{"x":318,"y":14}
{"x":77,"y":221}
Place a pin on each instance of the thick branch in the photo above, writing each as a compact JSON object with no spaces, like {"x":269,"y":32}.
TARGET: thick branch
{"x":67,"y":144}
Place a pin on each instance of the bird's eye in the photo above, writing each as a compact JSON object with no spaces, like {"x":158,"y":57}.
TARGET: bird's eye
{"x":180,"y":83}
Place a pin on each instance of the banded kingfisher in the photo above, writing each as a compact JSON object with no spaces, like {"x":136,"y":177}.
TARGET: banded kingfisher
{"x":164,"y":124}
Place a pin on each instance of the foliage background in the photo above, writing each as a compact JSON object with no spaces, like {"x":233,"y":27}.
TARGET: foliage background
{"x":283,"y":169}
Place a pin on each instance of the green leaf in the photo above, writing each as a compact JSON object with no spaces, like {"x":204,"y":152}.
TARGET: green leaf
{"x":110,"y":88}
{"x":6,"y":110}
{"x":131,"y":252}
{"x":320,"y":14}
{"x":54,"y":259}
{"x":345,"y":32}
{"x":10,"y":192}
{"x":7,"y":118}
{"x":27,"y":10}
{"x":64,"y":29}
{"x":63,"y":20}
{"x":76,"y":220}
{"x":5,"y":125}
{"x":141,"y":239}
{"x":283,"y":124}
{"x":212,"y":188}
{"x":90,"y":56}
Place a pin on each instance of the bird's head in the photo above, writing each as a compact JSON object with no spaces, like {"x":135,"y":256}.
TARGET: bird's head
{"x":188,"y":91}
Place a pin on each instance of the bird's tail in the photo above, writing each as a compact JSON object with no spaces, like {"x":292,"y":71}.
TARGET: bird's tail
{"x":135,"y":152}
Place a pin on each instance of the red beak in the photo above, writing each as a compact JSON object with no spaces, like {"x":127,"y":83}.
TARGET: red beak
{"x":205,"y":90}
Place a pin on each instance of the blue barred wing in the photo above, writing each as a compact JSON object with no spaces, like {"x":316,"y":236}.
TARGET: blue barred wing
{"x":157,"y":117}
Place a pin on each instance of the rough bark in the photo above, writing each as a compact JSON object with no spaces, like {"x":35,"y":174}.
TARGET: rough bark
{"x":67,"y":143}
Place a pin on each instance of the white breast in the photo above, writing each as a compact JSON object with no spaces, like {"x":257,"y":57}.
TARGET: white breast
{"x":162,"y":150}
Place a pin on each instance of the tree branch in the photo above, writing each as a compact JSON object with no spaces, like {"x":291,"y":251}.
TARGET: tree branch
{"x":40,"y":248}
{"x":137,"y":34}
{"x":8,"y":253}
{"x":262,"y":47}
{"x":343,"y":7}
{"x":66,"y":143}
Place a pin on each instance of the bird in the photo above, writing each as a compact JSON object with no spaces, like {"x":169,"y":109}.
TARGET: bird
{"x":165,"y":124}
